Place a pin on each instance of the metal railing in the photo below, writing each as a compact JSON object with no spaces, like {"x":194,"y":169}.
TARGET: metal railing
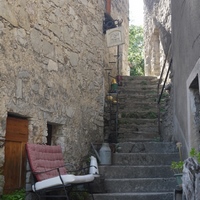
{"x":159,"y":94}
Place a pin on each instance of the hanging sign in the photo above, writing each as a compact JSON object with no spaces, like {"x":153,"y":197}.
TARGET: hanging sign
{"x":115,"y":36}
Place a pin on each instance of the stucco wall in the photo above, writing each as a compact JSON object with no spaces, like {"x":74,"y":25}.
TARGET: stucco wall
{"x":53,"y":57}
{"x":186,"y":48}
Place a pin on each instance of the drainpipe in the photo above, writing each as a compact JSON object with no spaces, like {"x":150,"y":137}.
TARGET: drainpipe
{"x":108,"y":6}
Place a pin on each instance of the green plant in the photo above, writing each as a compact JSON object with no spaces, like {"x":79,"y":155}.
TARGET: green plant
{"x":195,"y":154}
{"x":123,"y":121}
{"x":123,"y":115}
{"x":135,"y":51}
{"x":152,"y":115}
{"x":177,"y":166}
{"x":144,"y":83}
{"x":82,"y":195}
{"x":16,"y":195}
{"x":157,"y":139}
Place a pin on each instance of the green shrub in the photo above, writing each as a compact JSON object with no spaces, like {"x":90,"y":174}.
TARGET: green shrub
{"x":17,"y":195}
{"x":177,"y":166}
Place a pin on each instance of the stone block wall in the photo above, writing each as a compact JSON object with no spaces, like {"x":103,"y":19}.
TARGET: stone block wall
{"x":53,"y":57}
{"x":157,"y":34}
{"x":183,"y":115}
{"x":120,"y":10}
{"x":157,"y":39}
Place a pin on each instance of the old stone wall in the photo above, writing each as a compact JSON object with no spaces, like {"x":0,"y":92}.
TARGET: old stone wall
{"x":53,"y":57}
{"x":157,"y":34}
{"x":182,"y":117}
{"x":157,"y":39}
{"x":119,"y":65}
{"x":120,"y":11}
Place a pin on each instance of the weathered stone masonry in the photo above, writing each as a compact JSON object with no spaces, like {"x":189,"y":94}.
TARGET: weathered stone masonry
{"x":52,"y":59}
{"x":177,"y":23}
{"x":157,"y":34}
{"x":157,"y":37}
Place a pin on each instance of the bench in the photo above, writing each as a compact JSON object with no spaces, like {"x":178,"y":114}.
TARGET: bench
{"x":50,"y":173}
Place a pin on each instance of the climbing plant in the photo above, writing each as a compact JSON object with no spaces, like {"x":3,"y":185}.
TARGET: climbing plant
{"x":135,"y":53}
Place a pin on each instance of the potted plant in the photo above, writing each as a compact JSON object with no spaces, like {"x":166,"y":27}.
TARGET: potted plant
{"x":177,"y":166}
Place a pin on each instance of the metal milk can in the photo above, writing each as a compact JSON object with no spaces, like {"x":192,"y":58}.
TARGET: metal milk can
{"x":105,"y":154}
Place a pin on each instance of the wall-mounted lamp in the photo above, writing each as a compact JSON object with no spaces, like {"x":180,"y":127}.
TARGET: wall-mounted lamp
{"x":109,"y":23}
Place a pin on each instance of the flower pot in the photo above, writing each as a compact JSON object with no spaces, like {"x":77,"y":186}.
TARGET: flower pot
{"x":178,"y":179}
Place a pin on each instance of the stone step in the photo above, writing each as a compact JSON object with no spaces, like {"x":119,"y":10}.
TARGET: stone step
{"x":125,"y":108}
{"x":137,"y":135}
{"x":136,"y":91}
{"x":139,"y":114}
{"x":137,"y":103}
{"x":132,"y":101}
{"x":147,"y":147}
{"x":135,"y":196}
{"x":131,"y":122}
{"x":136,"y":125}
{"x":130,"y":114}
{"x":146,"y":137}
{"x":139,"y":78}
{"x":140,"y":185}
{"x":150,"y":97}
{"x":133,"y":87}
{"x":137,"y":129}
{"x":136,"y":171}
{"x":139,"y":81}
{"x":130,"y":109}
{"x":132,"y":105}
{"x":146,"y":159}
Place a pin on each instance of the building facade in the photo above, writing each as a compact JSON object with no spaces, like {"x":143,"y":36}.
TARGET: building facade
{"x":175,"y":24}
{"x":157,"y":34}
{"x":53,"y":79}
{"x":186,"y":68}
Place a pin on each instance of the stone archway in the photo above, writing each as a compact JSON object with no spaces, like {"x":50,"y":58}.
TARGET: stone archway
{"x":152,"y":61}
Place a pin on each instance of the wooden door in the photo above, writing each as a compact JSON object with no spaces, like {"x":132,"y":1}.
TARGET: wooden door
{"x":15,"y":155}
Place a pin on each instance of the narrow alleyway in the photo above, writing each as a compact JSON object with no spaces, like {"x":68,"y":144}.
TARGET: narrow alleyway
{"x":140,"y":168}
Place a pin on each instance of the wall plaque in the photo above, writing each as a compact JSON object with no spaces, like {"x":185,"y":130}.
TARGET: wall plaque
{"x":115,"y":36}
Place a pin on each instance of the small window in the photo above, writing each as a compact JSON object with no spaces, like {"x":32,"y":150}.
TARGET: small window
{"x":49,"y":131}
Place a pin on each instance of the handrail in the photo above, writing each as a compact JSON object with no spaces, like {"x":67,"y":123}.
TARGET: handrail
{"x":159,"y":95}
{"x":162,"y":72}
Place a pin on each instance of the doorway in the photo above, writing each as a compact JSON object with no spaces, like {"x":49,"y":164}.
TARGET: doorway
{"x":15,"y":155}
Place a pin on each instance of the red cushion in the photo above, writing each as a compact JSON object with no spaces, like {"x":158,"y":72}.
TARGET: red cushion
{"x":43,"y":158}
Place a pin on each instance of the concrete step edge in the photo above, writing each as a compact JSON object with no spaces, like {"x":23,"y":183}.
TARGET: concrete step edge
{"x":121,"y":180}
{"x":134,"y":193}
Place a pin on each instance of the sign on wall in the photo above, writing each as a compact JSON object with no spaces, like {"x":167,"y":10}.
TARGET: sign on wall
{"x":115,"y":36}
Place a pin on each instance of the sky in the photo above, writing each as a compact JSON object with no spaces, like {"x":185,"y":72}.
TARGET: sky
{"x":136,"y":12}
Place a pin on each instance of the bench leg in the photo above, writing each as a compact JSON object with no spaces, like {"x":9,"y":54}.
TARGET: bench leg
{"x":90,"y":191}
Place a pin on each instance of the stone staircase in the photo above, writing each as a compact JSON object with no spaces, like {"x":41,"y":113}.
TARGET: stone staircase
{"x":140,"y":167}
{"x":138,"y":109}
